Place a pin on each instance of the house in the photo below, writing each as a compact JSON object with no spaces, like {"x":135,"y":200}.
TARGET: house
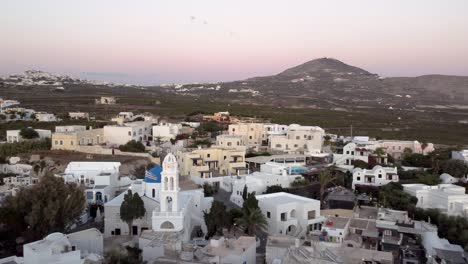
{"x":106,"y":100}
{"x":290,"y":214}
{"x":166,"y":131}
{"x":85,"y":246}
{"x":45,"y":117}
{"x":16,"y":169}
{"x":298,"y":140}
{"x":76,"y":138}
{"x":255,"y":134}
{"x":231,"y":141}
{"x":396,"y":148}
{"x":461,"y":155}
{"x":440,"y":250}
{"x":359,"y":150}
{"x":447,"y":178}
{"x":78,"y":115}
{"x":448,"y":198}
{"x":19,"y":181}
{"x":254,"y":163}
{"x":101,"y":179}
{"x":15,"y":135}
{"x":213,"y":161}
{"x":341,"y":198}
{"x":290,"y":250}
{"x":72,"y":128}
{"x":121,"y":134}
{"x":170,"y":212}
{"x":378,"y":176}
{"x":222,"y":250}
{"x":221,"y":117}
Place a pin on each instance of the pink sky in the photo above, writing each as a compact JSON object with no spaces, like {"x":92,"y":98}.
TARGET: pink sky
{"x":155,"y":41}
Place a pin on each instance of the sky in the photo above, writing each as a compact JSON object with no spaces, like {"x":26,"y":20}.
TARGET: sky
{"x":181,"y":41}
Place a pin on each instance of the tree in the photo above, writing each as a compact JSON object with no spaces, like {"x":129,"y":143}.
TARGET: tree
{"x":132,"y":146}
{"x":392,"y":196}
{"x":250,"y":203}
{"x":46,"y":207}
{"x":360,"y":164}
{"x":275,"y":189}
{"x":252,"y":220}
{"x":132,"y":208}
{"x":28,"y":133}
{"x":216,"y":219}
{"x":324,"y":178}
{"x":244,"y":193}
{"x":379,"y":152}
{"x":456,"y":168}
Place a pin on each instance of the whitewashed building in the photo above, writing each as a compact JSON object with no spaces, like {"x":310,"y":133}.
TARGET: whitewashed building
{"x":298,"y":140}
{"x":448,"y":198}
{"x":85,"y":246}
{"x":15,"y":135}
{"x":461,"y":155}
{"x":121,"y":134}
{"x":378,"y":176}
{"x":45,"y":117}
{"x":72,"y":128}
{"x":290,"y":214}
{"x":166,"y":131}
{"x":78,"y":115}
{"x":101,"y":179}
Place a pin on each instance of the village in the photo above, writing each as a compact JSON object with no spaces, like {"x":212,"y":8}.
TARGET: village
{"x":218,"y":188}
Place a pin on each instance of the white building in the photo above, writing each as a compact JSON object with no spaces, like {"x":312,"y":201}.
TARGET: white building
{"x":359,"y":150}
{"x":448,"y":198}
{"x":461,"y":155}
{"x":78,"y":115}
{"x":277,"y":174}
{"x":290,"y":214}
{"x":101,"y":179}
{"x":73,"y":128}
{"x":224,"y":251}
{"x":85,"y":246}
{"x":14,"y":135}
{"x":45,"y":117}
{"x":231,"y":141}
{"x":168,"y":210}
{"x":378,"y":176}
{"x":440,"y":250}
{"x":17,"y":169}
{"x":166,"y":131}
{"x":298,"y":140}
{"x":121,"y":134}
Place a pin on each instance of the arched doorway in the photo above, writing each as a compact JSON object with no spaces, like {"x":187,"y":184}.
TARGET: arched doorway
{"x":167,"y":225}
{"x":291,"y":229}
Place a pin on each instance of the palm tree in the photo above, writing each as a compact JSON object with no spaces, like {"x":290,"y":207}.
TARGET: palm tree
{"x":380,"y":152}
{"x":252,"y":220}
{"x":324,"y":178}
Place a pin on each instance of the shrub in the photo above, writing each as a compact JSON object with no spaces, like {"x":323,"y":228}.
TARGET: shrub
{"x":28,"y":133}
{"x":132,"y":146}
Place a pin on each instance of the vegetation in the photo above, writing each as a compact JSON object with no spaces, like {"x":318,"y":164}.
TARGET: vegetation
{"x":127,"y":255}
{"x":453,"y":228}
{"x":361,"y":164}
{"x":132,"y":208}
{"x":456,"y":168}
{"x":416,"y":160}
{"x":132,"y":146}
{"x":275,"y":189}
{"x":325,"y":177}
{"x":47,"y":207}
{"x":28,"y":133}
{"x":299,"y":182}
{"x":418,"y":176}
{"x":13,"y":149}
{"x":252,"y":217}
{"x":209,"y":189}
{"x":216,"y":219}
{"x":255,"y":154}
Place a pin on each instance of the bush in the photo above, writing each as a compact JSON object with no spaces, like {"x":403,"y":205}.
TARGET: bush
{"x":456,"y":168}
{"x":13,"y":149}
{"x":132,"y":146}
{"x":275,"y":189}
{"x":28,"y":133}
{"x":209,"y":189}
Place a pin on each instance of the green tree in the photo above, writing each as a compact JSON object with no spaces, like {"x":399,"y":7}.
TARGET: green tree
{"x":456,"y":168}
{"x":325,"y":177}
{"x":132,"y":146}
{"x":216,"y":219}
{"x":46,"y":207}
{"x":132,"y":208}
{"x":360,"y":164}
{"x":28,"y":133}
{"x":392,"y":196}
{"x":250,"y":202}
{"x":244,"y":193}
{"x":275,"y":189}
{"x":252,"y":220}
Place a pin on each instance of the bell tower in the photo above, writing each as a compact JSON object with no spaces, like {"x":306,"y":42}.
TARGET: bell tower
{"x":169,"y":194}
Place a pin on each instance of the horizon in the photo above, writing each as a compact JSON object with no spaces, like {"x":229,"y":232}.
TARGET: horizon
{"x":155,"y":42}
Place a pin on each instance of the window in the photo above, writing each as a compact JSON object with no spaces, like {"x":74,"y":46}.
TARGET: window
{"x":225,"y":157}
{"x":388,"y":232}
{"x":358,"y":178}
{"x":268,"y":215}
{"x":129,"y":133}
{"x":278,"y":145}
{"x":298,"y":137}
{"x":208,"y":155}
{"x":61,"y":142}
{"x":352,"y":153}
{"x":250,"y":137}
{"x":295,"y":145}
{"x":229,"y":144}
{"x":56,"y":142}
{"x":310,"y":138}
{"x":347,"y":152}
{"x":311,"y":214}
{"x":71,"y":142}
{"x":283,"y":217}
{"x":233,"y":130}
{"x":380,"y":176}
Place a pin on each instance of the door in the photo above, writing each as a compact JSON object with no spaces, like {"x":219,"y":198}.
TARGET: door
{"x":117,"y":232}
{"x":135,"y":230}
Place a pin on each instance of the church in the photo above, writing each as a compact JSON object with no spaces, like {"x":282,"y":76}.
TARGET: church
{"x":170,"y":212}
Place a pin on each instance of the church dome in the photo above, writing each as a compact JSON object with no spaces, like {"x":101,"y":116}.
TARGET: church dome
{"x":153,"y":175}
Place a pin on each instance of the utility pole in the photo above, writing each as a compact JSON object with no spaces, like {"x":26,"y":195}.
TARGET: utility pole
{"x":351,"y":130}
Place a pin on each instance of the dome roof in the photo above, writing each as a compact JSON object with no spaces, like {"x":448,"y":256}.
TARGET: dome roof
{"x":153,"y":175}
